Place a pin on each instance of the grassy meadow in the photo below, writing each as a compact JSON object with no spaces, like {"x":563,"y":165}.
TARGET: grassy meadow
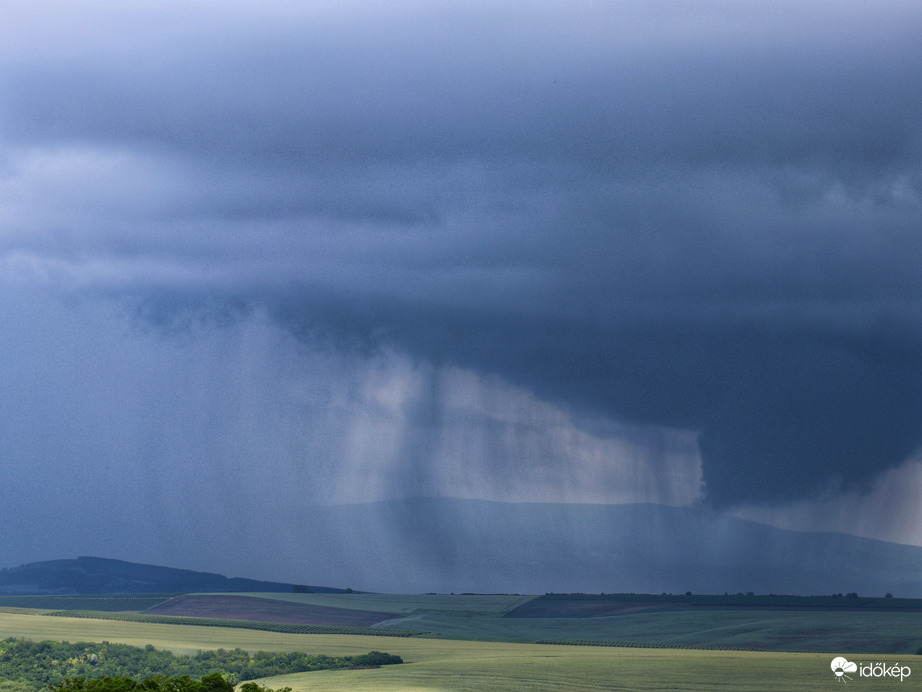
{"x":770,"y":630}
{"x":782,"y":629}
{"x":458,"y":664}
{"x":528,"y":667}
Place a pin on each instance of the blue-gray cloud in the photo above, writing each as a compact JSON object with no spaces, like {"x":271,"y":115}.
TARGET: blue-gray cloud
{"x":703,"y":217}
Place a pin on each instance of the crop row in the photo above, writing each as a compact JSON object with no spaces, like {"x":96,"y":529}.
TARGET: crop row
{"x":288,"y":628}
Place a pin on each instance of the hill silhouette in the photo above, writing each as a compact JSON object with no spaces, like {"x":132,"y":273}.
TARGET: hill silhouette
{"x":446,"y":545}
{"x":92,"y":575}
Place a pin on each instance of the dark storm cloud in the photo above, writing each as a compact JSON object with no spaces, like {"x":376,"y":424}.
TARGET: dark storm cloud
{"x":705,"y":217}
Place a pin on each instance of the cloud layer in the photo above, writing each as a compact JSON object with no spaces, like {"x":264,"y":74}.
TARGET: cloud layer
{"x":697,"y":219}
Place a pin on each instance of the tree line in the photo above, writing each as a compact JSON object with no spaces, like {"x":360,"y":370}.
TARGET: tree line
{"x":215,"y":682}
{"x":29,"y":666}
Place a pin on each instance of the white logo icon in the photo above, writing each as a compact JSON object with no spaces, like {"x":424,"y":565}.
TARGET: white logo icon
{"x":840,"y":666}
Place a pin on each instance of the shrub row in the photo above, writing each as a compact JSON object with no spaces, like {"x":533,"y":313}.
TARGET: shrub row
{"x":214,"y":682}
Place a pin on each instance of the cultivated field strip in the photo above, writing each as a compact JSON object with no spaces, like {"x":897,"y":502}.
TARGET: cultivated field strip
{"x":495,"y":605}
{"x":577,"y":605}
{"x":104,"y":602}
{"x":661,"y":645}
{"x":282,"y":627}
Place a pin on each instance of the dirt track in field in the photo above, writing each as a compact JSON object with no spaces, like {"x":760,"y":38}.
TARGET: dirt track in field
{"x":266,"y":610}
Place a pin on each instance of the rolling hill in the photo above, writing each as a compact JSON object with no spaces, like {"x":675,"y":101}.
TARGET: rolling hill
{"x":93,"y":575}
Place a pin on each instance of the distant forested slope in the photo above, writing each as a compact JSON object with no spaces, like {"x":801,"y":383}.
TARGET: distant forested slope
{"x":92,"y":575}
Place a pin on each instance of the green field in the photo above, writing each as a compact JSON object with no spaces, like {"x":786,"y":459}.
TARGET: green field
{"x":465,"y":658}
{"x":772,"y":630}
{"x":439,"y":664}
{"x":532,"y":668}
{"x":677,"y":621}
{"x":405,"y":604}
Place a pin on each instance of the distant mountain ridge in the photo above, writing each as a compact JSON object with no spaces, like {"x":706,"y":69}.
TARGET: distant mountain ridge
{"x":460,"y":545}
{"x":92,"y":575}
{"x":447,"y":545}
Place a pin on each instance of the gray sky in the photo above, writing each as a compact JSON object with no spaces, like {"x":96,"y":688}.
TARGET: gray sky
{"x":279,"y":254}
